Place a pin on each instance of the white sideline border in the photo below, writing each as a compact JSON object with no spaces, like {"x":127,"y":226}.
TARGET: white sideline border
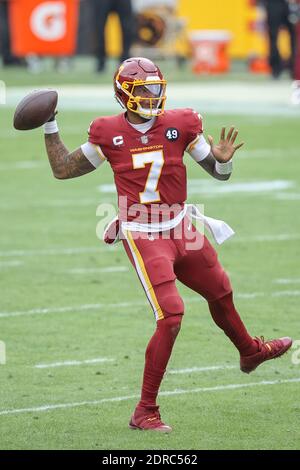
{"x":175,"y":392}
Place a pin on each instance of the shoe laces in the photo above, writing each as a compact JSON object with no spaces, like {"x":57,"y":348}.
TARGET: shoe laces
{"x":270,"y":345}
{"x":155,"y":416}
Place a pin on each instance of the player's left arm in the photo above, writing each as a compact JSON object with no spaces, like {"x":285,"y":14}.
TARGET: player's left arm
{"x":216,"y":159}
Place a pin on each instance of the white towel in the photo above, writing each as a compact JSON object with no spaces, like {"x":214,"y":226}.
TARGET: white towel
{"x":219,"y":229}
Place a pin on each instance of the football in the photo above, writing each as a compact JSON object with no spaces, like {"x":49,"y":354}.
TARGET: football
{"x":35,"y":109}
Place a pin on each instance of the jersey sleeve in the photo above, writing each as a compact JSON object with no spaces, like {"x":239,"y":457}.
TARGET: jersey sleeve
{"x":92,"y":154}
{"x":95,"y":136}
{"x":94,"y":132}
{"x":194,"y":127}
{"x":200,"y":149}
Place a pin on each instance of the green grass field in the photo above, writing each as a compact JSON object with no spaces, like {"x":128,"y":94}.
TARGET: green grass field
{"x":60,"y":302}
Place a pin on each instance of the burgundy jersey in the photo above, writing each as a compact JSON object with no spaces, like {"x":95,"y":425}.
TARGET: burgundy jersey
{"x":148,"y":168}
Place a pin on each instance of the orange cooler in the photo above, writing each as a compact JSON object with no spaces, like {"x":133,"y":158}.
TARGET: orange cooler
{"x":210,"y":51}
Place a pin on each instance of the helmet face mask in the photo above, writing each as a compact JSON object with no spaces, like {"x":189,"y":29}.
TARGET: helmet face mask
{"x":140,"y":87}
{"x":147,"y":98}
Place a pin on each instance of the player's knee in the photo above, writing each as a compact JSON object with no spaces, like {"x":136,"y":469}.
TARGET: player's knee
{"x":172,"y":324}
{"x":169,"y":299}
{"x":172,"y":304}
{"x":175,"y":324}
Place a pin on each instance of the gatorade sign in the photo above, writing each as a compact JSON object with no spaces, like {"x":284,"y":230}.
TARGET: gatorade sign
{"x":44,"y":27}
{"x":48,"y":21}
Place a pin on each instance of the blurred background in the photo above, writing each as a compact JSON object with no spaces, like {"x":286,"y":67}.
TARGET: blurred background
{"x":73,"y":317}
{"x":193,"y":37}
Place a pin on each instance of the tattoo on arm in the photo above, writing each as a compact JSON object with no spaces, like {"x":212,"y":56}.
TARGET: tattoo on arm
{"x":209,"y":165}
{"x":64,"y":164}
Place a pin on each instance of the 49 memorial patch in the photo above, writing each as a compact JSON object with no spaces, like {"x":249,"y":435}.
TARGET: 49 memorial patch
{"x":172,"y":133}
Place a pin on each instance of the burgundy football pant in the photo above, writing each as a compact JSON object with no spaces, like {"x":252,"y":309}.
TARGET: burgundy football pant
{"x":185,"y":255}
{"x":188,"y":256}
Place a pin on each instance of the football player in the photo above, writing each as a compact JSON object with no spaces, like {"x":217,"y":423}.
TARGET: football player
{"x":145,"y":146}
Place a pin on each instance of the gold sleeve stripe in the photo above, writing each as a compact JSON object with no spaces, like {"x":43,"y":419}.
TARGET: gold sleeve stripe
{"x":100,"y":153}
{"x":192,"y":144}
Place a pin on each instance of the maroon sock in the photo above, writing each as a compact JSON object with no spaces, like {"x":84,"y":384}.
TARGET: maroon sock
{"x":228,"y":319}
{"x":158,"y":353}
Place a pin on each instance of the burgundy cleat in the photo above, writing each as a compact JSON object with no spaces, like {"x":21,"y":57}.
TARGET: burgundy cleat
{"x":148,"y":419}
{"x":266,"y":350}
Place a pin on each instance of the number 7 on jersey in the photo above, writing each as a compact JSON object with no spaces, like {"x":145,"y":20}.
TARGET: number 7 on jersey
{"x":156,"y":159}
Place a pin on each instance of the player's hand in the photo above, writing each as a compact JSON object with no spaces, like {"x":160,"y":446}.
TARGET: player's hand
{"x":224,"y":150}
{"x":53,"y":117}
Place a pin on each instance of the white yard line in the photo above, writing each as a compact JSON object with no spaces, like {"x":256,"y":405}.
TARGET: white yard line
{"x":105,"y":359}
{"x":268,"y":153}
{"x":212,"y":187}
{"x":22,"y":165}
{"x":75,"y":130}
{"x":108,"y":269}
{"x":206,"y":187}
{"x":287,"y":281}
{"x":200,"y":369}
{"x":60,"y":251}
{"x":250,"y":295}
{"x":238,"y":295}
{"x":11,"y":264}
{"x":218,"y":388}
{"x":105,"y":248}
{"x":74,"y":308}
{"x":97,"y":360}
{"x":4,"y":206}
{"x":286,"y":293}
{"x":119,"y":305}
{"x":267,"y":238}
{"x":287,"y":196}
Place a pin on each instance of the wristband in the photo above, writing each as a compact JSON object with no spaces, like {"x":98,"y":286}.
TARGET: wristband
{"x":50,"y":127}
{"x":224,"y":168}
